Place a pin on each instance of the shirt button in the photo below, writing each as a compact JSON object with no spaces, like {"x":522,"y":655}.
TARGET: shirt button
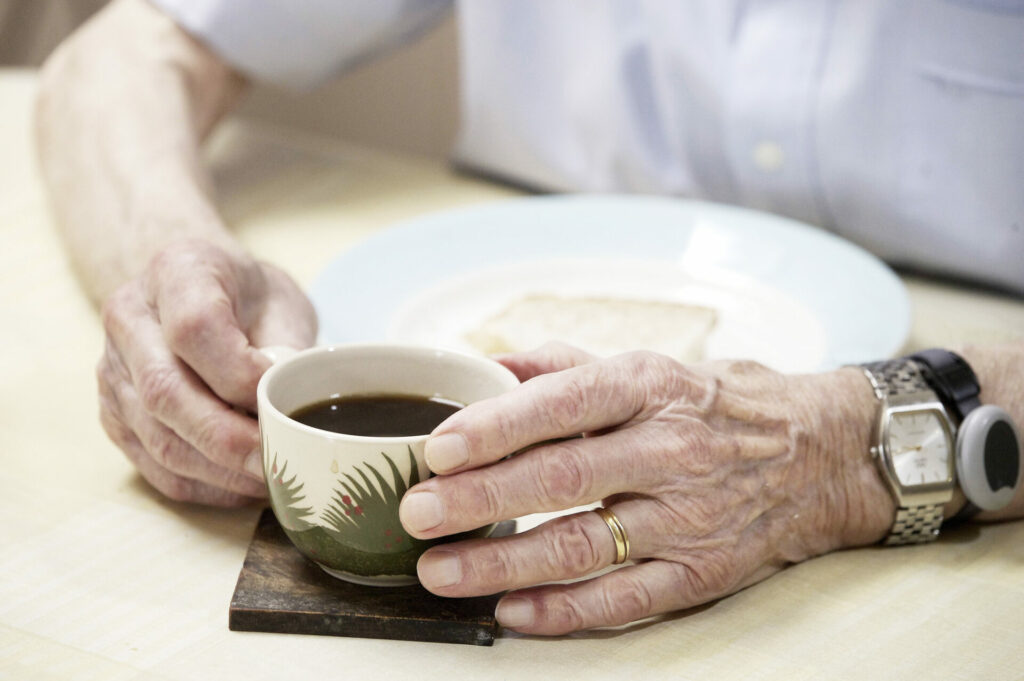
{"x":768,"y":156}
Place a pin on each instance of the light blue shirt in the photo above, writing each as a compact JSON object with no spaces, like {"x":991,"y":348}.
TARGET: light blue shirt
{"x":898,"y":124}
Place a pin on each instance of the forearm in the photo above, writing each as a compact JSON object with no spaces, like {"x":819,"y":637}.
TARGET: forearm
{"x":123,"y":107}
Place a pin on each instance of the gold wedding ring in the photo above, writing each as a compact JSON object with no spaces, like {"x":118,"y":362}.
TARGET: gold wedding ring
{"x":618,"y":534}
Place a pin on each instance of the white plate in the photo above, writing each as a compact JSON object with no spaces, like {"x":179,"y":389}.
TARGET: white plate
{"x":789,"y":295}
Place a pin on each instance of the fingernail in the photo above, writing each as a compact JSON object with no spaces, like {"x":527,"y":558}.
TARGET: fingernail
{"x":421,"y":511}
{"x":254,"y":464}
{"x":446,"y":452}
{"x":514,"y":612}
{"x":439,"y":568}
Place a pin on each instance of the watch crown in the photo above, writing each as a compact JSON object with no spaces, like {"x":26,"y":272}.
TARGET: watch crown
{"x":874,"y":451}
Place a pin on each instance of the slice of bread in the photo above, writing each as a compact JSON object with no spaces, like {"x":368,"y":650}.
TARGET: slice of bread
{"x":602,"y":326}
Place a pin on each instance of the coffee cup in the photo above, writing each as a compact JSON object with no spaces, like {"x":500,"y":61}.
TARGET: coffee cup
{"x":337,"y":494}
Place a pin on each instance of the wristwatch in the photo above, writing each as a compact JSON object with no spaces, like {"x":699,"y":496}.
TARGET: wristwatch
{"x":913,"y":446}
{"x":988,"y":451}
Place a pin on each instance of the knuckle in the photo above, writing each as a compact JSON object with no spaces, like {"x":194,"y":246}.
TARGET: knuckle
{"x":638,"y":378}
{"x":654,"y":378}
{"x":498,"y":567}
{"x":157,"y":385}
{"x":572,"y":548}
{"x":572,"y":405}
{"x":219,"y":440}
{"x":710,"y":576}
{"x":699,"y":442}
{"x":506,"y":429}
{"x":482,"y":501}
{"x":563,"y":612}
{"x":647,"y":363}
{"x":564,"y":476}
{"x":187,"y":327}
{"x":746,"y":367}
{"x":630,"y":602}
{"x":166,"y":452}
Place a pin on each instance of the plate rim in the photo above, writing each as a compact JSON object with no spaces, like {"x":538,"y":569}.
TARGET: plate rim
{"x":889,"y":289}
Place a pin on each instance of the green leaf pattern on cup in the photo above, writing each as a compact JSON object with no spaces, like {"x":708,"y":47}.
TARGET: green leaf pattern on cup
{"x":362,"y":513}
{"x":288,"y":494}
{"x":362,"y":516}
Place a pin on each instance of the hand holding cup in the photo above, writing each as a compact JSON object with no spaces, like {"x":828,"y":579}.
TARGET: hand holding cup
{"x":718,"y":475}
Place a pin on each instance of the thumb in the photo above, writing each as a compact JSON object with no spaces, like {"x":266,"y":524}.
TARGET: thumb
{"x":548,"y":358}
{"x":195,"y":291}
{"x":200,"y":327}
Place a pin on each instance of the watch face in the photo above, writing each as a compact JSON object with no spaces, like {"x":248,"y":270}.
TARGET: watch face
{"x":919,"y":448}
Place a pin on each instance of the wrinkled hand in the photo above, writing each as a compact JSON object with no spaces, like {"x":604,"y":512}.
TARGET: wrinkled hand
{"x":721,"y":474}
{"x":182,"y":353}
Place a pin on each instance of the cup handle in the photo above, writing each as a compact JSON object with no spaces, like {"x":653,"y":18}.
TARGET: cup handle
{"x":277,"y":353}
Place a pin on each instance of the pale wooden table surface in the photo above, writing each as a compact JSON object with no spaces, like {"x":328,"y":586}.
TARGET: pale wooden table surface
{"x":102,"y":579}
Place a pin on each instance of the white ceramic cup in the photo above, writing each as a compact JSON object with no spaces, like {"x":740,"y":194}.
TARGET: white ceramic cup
{"x":337,"y":495}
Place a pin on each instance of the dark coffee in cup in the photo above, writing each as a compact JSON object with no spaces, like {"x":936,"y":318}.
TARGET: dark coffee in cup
{"x":377,"y":415}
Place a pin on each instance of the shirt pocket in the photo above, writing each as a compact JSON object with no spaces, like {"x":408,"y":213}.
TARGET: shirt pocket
{"x":963,"y":141}
{"x":1003,"y":6}
{"x":927,"y":135}
{"x":963,"y":115}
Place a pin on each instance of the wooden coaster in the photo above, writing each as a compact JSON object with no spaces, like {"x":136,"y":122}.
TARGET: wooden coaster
{"x":280,"y":590}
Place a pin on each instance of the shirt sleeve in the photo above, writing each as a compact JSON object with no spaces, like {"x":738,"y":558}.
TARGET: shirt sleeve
{"x":301,"y":43}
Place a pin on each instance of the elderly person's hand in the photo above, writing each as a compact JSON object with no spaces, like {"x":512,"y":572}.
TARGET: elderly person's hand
{"x":721,"y":474}
{"x":182,"y":362}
